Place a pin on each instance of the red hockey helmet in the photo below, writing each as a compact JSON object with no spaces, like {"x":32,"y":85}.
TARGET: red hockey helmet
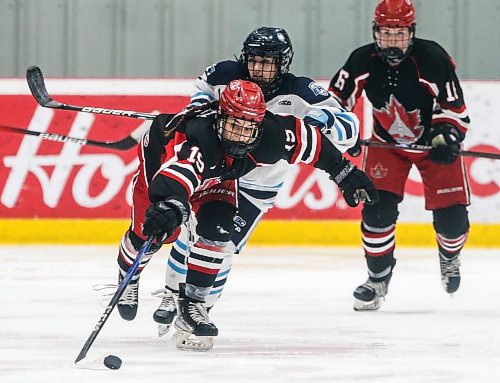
{"x":241,"y":110}
{"x":395,"y":13}
{"x":243,"y":99}
{"x":395,"y":46}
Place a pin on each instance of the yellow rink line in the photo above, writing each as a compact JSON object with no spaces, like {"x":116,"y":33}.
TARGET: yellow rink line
{"x":268,"y":232}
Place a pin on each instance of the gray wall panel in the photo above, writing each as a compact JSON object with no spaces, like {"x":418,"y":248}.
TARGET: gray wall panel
{"x":43,"y":35}
{"x":179,"y":38}
{"x":480,"y":42}
{"x":9,"y":46}
{"x":94,"y":45}
{"x":340,"y":27}
{"x":142,"y":39}
{"x":192,"y":37}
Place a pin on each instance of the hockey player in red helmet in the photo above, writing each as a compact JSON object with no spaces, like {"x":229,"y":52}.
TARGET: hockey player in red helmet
{"x":394,"y":29}
{"x":417,"y":99}
{"x":186,"y":180}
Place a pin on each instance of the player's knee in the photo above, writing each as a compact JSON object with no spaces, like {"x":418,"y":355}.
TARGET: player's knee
{"x":382,"y":213}
{"x":215,"y":221}
{"x":451,"y":221}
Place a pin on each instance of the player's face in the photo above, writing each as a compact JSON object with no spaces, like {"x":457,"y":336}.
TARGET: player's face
{"x":238,"y":130}
{"x":262,"y":69}
{"x":390,"y":37}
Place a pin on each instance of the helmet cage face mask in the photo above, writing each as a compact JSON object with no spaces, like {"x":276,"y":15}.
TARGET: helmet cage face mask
{"x":393,"y":54}
{"x":263,"y":70}
{"x":238,"y":136}
{"x":394,"y":16}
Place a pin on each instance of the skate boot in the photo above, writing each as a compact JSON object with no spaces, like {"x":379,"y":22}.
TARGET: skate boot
{"x":195,"y":330}
{"x":129,"y":301}
{"x":165,"y":314}
{"x":450,"y":272}
{"x":369,"y":295}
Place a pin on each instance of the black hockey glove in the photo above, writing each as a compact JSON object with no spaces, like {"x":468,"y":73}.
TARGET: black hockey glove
{"x":355,"y":185}
{"x":445,"y":140}
{"x":355,"y":150}
{"x":162,"y":218}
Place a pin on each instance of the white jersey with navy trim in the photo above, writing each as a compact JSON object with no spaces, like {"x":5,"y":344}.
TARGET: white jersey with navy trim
{"x":298,"y":96}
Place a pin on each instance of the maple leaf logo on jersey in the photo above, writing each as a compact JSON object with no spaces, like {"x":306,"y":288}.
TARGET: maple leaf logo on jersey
{"x":378,"y":171}
{"x":402,"y":125}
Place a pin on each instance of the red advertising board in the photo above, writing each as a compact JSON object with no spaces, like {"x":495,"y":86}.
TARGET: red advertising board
{"x":46,"y":179}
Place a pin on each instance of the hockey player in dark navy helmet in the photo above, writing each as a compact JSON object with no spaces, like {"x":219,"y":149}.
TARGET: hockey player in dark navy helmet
{"x":417,"y":99}
{"x":265,"y":58}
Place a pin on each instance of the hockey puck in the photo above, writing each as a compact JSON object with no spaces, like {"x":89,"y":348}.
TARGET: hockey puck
{"x":112,"y":362}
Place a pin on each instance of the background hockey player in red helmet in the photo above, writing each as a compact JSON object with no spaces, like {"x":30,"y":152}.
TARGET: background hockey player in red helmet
{"x":265,"y":59}
{"x":193,"y":166}
{"x":416,"y":98}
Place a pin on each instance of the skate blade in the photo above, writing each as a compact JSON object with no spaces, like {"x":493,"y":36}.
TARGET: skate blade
{"x":360,"y":305}
{"x":163,"y":329}
{"x":186,"y":341}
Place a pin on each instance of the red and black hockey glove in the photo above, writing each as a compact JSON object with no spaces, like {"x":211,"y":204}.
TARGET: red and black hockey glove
{"x":355,"y":185}
{"x":163,"y":217}
{"x":445,"y":140}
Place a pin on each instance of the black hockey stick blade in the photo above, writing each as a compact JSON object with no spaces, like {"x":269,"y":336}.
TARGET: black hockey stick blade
{"x":425,"y":148}
{"x":124,"y":144}
{"x":34,"y":77}
{"x":114,"y":300}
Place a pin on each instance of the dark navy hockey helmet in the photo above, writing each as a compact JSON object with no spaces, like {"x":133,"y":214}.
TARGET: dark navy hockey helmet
{"x":268,"y":42}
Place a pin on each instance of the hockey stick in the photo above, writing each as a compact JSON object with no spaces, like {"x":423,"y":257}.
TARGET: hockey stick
{"x":112,"y":303}
{"x":34,"y":77}
{"x":123,"y":144}
{"x":424,"y":148}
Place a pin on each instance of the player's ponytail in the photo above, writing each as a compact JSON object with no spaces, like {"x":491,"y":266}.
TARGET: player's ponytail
{"x":181,"y":118}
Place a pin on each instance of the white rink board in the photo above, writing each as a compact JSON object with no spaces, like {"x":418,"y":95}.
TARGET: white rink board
{"x":286,"y":316}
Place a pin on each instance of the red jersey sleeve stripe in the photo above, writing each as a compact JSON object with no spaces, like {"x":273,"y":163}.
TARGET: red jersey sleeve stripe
{"x":298,"y":146}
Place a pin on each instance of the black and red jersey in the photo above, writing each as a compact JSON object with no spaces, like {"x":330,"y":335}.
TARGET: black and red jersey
{"x":193,"y":158}
{"x":407,"y":99}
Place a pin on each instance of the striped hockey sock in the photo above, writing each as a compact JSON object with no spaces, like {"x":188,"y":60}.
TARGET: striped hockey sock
{"x":450,"y":247}
{"x":379,"y":245}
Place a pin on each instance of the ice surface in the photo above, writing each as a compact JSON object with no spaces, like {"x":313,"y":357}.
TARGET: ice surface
{"x":286,"y":316}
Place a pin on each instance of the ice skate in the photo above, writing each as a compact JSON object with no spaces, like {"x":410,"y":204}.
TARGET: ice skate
{"x":129,"y":301}
{"x":450,"y":272}
{"x":166,"y":312}
{"x":194,"y":329}
{"x":370,"y":295}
